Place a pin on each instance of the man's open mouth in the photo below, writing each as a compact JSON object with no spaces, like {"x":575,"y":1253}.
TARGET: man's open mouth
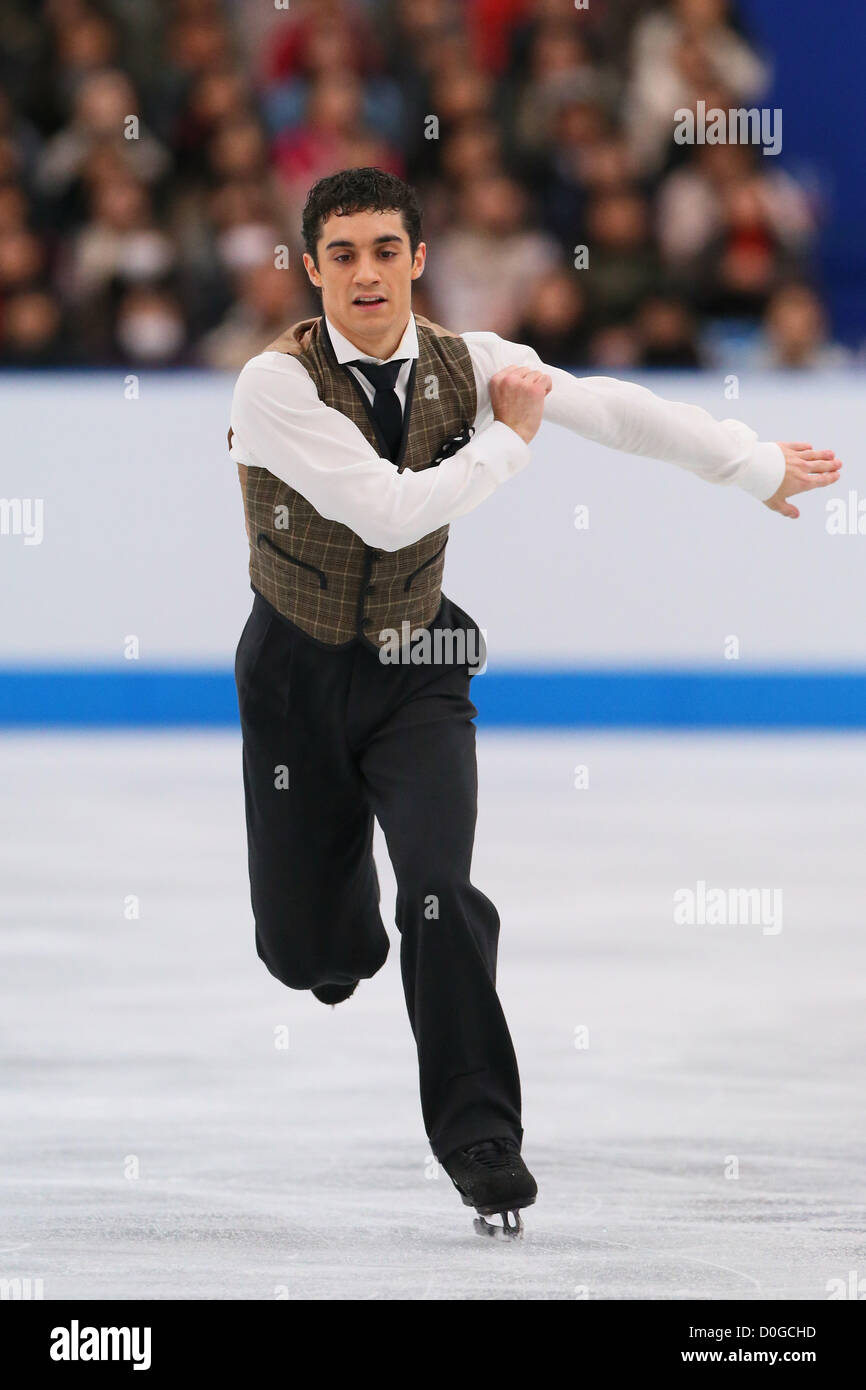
{"x":368,"y":299}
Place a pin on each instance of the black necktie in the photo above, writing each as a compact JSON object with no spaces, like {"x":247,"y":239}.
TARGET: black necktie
{"x":386,"y":403}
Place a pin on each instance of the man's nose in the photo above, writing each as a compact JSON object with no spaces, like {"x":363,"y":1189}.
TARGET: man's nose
{"x":366,"y":273}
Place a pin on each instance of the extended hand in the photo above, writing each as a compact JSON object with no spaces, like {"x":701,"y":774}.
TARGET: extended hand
{"x":805,"y":468}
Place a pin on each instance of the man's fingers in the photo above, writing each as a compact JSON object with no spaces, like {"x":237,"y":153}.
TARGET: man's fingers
{"x":818,"y":467}
{"x":785,"y":508}
{"x":821,"y":479}
{"x":543,"y":380}
{"x":805,"y":468}
{"x":816,"y":455}
{"x":804,"y":480}
{"x":528,"y":374}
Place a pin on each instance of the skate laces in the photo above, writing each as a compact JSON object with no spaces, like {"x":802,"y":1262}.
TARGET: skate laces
{"x":493,"y":1153}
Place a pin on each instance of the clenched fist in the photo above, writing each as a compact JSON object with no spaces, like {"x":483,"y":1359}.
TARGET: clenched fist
{"x":805,"y":468}
{"x":517,"y":397}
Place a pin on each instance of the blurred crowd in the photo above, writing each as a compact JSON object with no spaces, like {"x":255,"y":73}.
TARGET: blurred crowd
{"x":154,"y":154}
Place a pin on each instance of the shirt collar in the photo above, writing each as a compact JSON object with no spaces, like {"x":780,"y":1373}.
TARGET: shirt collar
{"x":347,"y":352}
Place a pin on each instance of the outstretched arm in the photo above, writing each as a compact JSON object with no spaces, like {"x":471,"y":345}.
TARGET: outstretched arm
{"x":624,"y":416}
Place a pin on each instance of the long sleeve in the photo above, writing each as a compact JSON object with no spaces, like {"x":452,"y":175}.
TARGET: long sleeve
{"x":279,"y":423}
{"x":635,"y":420}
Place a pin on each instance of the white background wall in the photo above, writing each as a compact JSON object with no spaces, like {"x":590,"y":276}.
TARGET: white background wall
{"x":144,"y":535}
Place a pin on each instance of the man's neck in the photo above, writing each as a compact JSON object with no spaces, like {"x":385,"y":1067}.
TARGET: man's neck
{"x":382,"y":345}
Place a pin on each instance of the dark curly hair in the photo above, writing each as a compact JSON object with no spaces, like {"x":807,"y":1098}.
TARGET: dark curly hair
{"x":359,"y":190}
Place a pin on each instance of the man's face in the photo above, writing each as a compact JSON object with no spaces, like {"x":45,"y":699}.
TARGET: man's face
{"x":365,"y":273}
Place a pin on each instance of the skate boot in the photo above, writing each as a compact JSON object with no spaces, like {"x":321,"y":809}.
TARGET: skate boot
{"x":333,"y":994}
{"x":491,"y":1176}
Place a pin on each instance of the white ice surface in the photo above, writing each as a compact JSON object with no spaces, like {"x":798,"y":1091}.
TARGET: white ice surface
{"x":302,"y":1172}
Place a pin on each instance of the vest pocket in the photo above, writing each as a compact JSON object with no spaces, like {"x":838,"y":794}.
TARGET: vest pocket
{"x":310,"y":570}
{"x":414,"y":575}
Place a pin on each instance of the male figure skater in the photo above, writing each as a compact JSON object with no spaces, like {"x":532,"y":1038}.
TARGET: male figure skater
{"x":359,"y":436}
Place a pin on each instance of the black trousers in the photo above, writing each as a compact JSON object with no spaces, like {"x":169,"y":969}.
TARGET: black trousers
{"x":332,"y":738}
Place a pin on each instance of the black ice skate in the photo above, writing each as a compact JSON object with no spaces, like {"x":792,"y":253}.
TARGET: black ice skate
{"x":491,"y":1176}
{"x":334,"y":994}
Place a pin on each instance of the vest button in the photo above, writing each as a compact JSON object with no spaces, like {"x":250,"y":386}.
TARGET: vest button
{"x":366,"y":622}
{"x":370,"y":588}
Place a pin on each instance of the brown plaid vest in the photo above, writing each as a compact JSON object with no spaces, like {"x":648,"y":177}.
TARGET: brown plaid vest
{"x":319,"y":574}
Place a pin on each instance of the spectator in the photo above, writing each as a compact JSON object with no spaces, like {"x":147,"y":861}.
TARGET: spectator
{"x":615,"y":348}
{"x":32,"y":330}
{"x":623,"y":269}
{"x":560,"y":69}
{"x":744,"y":263}
{"x":691,"y":203}
{"x":530,"y":128}
{"x":14,"y":207}
{"x":267,"y":299}
{"x":326,"y":45}
{"x":796,"y":332}
{"x":555,"y":323}
{"x":666,"y":334}
{"x":674,"y":52}
{"x":215,"y":98}
{"x":102,"y":103}
{"x":485,"y":270}
{"x":560,"y":179}
{"x":119,"y":242}
{"x":150,"y":329}
{"x":331,"y":134}
{"x":22,"y":260}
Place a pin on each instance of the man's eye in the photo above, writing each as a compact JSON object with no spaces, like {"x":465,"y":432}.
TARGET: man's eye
{"x":389,"y":253}
{"x":343,"y":257}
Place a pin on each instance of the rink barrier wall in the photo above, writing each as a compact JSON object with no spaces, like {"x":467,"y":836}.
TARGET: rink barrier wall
{"x":613,"y":591}
{"x":619,"y":699}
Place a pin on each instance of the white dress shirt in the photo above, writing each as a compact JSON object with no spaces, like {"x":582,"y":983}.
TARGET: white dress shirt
{"x":407,"y":347}
{"x":279,"y":423}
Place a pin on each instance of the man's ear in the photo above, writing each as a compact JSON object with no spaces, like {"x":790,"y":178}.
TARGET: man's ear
{"x":312,"y":271}
{"x":419,"y":260}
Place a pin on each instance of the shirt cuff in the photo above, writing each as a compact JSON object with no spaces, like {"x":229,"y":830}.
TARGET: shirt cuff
{"x":763,"y":471}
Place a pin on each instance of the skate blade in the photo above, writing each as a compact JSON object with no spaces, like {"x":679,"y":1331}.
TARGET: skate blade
{"x":511,"y":1228}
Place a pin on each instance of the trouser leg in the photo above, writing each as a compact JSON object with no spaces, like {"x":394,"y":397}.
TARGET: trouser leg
{"x":313,"y":882}
{"x":420,"y":771}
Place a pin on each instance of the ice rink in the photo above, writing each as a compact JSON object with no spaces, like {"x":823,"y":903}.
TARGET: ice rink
{"x":693,"y":1094}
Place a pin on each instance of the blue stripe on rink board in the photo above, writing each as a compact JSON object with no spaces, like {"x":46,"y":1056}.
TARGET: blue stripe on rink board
{"x":518,"y":698}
